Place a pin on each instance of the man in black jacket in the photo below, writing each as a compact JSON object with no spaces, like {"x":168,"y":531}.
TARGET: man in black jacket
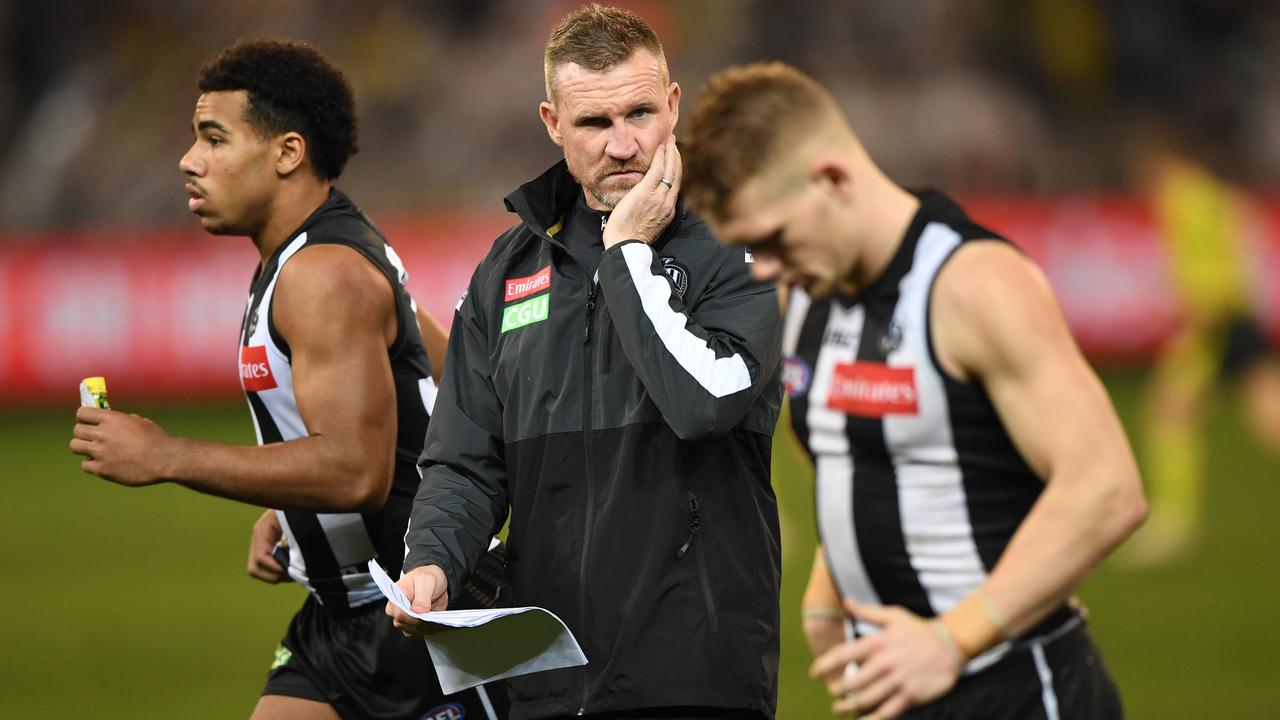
{"x":611,"y":380}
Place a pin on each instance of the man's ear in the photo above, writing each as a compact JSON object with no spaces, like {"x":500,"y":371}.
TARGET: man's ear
{"x":291,"y":152}
{"x":552,"y":120}
{"x":673,"y":104}
{"x":834,"y":175}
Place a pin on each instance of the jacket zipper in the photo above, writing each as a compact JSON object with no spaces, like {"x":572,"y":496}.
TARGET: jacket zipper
{"x":695,"y":527}
{"x":588,"y":476}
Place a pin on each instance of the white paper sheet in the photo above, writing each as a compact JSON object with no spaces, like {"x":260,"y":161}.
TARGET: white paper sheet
{"x":476,"y":646}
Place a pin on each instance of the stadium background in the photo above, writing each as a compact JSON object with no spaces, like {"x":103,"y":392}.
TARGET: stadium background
{"x":134,"y":604}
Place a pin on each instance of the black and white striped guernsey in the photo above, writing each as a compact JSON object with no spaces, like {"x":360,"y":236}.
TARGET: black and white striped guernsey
{"x":919,"y":488}
{"x":328,"y":552}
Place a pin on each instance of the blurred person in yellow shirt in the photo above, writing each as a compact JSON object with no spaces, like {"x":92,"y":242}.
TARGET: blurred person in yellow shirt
{"x":1206,"y":226}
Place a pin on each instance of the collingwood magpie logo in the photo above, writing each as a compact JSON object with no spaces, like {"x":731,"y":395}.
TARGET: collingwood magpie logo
{"x":892,"y":338}
{"x":678,"y":273}
{"x":253,"y":324}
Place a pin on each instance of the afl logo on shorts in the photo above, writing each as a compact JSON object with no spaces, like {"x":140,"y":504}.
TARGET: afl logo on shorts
{"x":678,"y":273}
{"x":795,"y":376}
{"x":451,"y":711}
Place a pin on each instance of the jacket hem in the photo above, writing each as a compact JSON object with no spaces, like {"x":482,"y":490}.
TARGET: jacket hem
{"x":538,"y":709}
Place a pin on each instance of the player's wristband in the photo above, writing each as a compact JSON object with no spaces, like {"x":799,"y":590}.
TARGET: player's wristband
{"x":996,"y":618}
{"x":822,"y":612}
{"x":971,"y":627}
{"x":945,"y":636}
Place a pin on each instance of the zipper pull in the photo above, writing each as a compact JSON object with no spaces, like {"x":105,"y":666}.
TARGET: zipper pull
{"x":604,"y":220}
{"x":591,"y":306}
{"x":695,"y":525}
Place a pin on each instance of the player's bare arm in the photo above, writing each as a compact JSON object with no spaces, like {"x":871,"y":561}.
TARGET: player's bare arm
{"x":325,"y":298}
{"x":995,"y":321}
{"x":435,"y":338}
{"x":821,"y":614}
{"x":998,"y":322}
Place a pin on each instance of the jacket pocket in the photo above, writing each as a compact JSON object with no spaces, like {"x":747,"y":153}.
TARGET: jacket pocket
{"x":704,"y":578}
{"x":606,"y":346}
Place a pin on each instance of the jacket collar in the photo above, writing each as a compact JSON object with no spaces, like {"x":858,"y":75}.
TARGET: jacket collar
{"x":542,"y":203}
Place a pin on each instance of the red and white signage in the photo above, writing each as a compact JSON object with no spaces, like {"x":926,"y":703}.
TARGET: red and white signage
{"x":525,"y":286}
{"x":157,"y":312}
{"x":255,"y":369}
{"x":870,"y":389}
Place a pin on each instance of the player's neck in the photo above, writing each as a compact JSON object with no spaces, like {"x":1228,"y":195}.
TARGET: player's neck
{"x":290,"y":208}
{"x":888,"y":213}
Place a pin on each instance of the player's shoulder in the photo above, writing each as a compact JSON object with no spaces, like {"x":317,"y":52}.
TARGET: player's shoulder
{"x":989,"y":280}
{"x":971,"y":254}
{"x":330,"y":291}
{"x":985,"y":270}
{"x":331,"y":273}
{"x":988,"y":297}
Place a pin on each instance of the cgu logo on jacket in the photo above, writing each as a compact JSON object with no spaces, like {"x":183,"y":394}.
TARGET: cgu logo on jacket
{"x":871,"y":389}
{"x":535,"y":309}
{"x":255,"y":370}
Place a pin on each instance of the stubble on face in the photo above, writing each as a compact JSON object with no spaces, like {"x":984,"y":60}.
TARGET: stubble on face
{"x":610,"y":199}
{"x":631,"y":99}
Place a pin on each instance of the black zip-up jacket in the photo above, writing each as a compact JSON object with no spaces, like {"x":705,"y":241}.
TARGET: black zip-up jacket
{"x":627,"y":426}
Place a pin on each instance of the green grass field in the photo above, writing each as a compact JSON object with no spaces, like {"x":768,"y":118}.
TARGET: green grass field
{"x":123,"y":603}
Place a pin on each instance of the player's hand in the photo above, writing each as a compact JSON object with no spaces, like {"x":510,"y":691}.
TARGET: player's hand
{"x":120,"y":447}
{"x":262,"y":562}
{"x":646,"y":210}
{"x":426,"y":588}
{"x":907,"y":664}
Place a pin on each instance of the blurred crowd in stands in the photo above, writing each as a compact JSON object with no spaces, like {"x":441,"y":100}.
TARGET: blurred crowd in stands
{"x":974,"y":96}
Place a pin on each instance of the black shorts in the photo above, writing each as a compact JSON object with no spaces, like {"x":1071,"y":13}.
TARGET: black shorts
{"x":673,"y":713}
{"x":1058,"y":676}
{"x":357,"y":662}
{"x":1245,"y":344}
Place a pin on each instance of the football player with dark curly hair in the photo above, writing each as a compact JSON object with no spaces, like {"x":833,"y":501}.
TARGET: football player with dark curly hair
{"x":334,"y":364}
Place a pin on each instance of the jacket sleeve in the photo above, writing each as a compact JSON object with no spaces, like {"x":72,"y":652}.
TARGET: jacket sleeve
{"x":704,"y":365}
{"x":462,"y":500}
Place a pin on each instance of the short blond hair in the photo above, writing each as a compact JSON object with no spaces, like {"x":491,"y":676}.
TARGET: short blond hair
{"x":597,"y":38}
{"x":746,"y":118}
